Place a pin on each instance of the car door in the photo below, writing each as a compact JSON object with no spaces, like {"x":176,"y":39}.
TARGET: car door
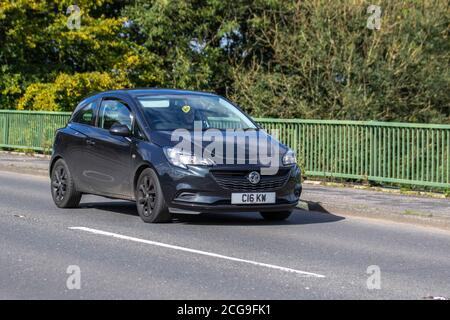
{"x":108,"y":157}
{"x":80,"y":127}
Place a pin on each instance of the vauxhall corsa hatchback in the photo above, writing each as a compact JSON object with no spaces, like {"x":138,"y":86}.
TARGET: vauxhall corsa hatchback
{"x":125,"y":144}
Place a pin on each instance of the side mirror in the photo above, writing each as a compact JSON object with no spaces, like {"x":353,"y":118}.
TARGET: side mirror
{"x":120,"y":130}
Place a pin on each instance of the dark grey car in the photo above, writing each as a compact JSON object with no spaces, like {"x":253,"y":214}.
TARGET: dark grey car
{"x":120,"y":144}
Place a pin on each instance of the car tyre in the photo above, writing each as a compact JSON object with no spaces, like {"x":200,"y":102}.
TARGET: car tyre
{"x":150,"y":202}
{"x":276,"y":216}
{"x":64,"y":191}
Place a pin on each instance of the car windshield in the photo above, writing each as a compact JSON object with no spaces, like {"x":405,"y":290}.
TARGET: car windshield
{"x":176,"y":111}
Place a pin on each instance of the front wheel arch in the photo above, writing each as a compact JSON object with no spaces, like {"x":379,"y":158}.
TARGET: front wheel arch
{"x":138,"y":172}
{"x":149,"y":193}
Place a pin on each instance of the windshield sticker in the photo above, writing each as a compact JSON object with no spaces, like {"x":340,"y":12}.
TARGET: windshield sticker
{"x":186,"y":108}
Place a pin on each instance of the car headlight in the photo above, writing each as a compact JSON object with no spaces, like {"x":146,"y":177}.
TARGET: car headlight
{"x":289,"y":157}
{"x":182,"y":159}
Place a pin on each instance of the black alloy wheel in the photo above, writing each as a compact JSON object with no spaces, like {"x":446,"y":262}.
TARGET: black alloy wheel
{"x":150,"y":201}
{"x":64,"y":192}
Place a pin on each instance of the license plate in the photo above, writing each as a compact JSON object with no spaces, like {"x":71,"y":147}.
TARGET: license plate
{"x":253,"y":198}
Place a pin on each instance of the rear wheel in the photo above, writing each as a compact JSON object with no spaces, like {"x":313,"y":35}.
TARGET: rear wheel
{"x":64,"y":192}
{"x":276,"y":216}
{"x":150,"y":201}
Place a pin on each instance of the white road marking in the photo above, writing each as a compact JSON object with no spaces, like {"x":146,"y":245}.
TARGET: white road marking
{"x":205,"y":253}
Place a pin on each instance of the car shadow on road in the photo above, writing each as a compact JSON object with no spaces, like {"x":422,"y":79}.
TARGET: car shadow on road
{"x":315,"y":214}
{"x":300,"y":216}
{"x":123,"y":207}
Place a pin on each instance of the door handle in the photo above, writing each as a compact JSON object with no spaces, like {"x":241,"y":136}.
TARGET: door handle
{"x":90,"y":142}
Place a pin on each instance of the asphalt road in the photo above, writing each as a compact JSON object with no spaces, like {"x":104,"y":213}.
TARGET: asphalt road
{"x":213,"y":256}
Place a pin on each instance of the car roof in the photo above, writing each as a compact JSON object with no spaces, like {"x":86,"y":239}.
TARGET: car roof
{"x":143,"y":91}
{"x":140,"y":92}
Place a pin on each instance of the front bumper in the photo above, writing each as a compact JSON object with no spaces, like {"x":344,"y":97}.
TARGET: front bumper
{"x":196,"y":190}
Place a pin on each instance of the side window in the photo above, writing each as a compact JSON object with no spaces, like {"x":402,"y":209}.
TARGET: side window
{"x":112,"y":112}
{"x":85,"y":115}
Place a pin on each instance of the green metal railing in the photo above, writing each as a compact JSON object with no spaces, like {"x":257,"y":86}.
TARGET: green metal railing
{"x":31,"y":130}
{"x":385,"y":152}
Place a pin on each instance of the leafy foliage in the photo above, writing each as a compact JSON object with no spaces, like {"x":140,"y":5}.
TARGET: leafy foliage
{"x":67,"y":90}
{"x":325,"y":63}
{"x":43,"y":60}
{"x":276,"y":58}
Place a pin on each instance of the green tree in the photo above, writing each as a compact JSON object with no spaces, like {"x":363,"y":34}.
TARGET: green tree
{"x":39,"y":50}
{"x":276,"y":58}
{"x":321,"y":61}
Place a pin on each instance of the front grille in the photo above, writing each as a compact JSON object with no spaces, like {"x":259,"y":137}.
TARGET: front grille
{"x":237,"y":180}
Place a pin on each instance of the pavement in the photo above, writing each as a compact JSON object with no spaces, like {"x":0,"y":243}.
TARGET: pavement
{"x":421,"y":210}
{"x":23,"y":163}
